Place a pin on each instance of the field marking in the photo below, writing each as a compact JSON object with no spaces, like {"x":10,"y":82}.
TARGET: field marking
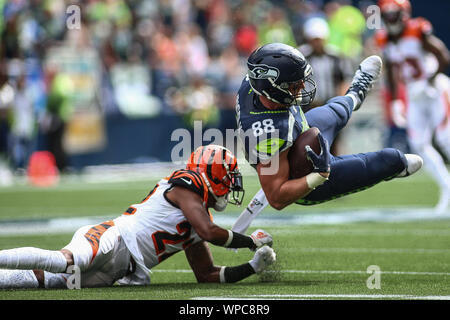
{"x":325,"y":296}
{"x":373,"y":250}
{"x":354,"y":230}
{"x":66,"y":225}
{"x":327,"y":272}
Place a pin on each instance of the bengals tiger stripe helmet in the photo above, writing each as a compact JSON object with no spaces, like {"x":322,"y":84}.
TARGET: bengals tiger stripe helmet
{"x":395,"y":14}
{"x":219,"y":168}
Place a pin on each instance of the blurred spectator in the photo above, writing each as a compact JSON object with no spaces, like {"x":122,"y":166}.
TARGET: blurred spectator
{"x":196,"y":102}
{"x":347,"y":25}
{"x":6,"y":101}
{"x":331,"y":72}
{"x":57,"y":114}
{"x":131,"y":83}
{"x":276,"y":28}
{"x":159,"y":58}
{"x":23,"y":124}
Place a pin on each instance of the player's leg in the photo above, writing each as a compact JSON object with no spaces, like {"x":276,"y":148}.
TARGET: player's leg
{"x":357,"y":172}
{"x":43,"y":268}
{"x":331,"y":117}
{"x":18,"y":279}
{"x":28,"y":258}
{"x":442,"y":136}
{"x":334,"y":115}
{"x":101,"y":255}
{"x":441,"y":115}
{"x":24,"y":260}
{"x":420,"y":135}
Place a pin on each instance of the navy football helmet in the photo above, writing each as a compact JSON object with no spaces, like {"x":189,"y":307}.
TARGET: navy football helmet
{"x":281,"y":74}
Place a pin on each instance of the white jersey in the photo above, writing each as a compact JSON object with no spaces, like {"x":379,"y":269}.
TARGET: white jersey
{"x":407,"y":53}
{"x":155,"y":229}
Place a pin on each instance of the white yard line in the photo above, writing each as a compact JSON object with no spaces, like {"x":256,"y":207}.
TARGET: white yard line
{"x":325,"y":296}
{"x":373,"y":250}
{"x":356,"y":231}
{"x":65,"y":225}
{"x":326,"y":272}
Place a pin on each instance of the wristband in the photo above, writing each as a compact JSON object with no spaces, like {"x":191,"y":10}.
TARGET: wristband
{"x":222,"y":275}
{"x":314,"y":180}
{"x":238,"y":240}
{"x":230,"y":238}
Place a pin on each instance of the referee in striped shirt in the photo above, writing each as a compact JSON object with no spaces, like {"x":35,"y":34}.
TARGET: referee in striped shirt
{"x":331,"y":72}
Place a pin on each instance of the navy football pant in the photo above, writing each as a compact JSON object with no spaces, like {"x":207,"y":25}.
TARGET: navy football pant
{"x":349,"y":173}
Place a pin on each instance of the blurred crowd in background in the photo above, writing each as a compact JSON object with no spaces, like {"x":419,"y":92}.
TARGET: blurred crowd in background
{"x":147,"y":59}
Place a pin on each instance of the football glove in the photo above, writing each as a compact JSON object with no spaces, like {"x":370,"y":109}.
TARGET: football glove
{"x":321,"y":162}
{"x":263,"y":258}
{"x":261,"y":238}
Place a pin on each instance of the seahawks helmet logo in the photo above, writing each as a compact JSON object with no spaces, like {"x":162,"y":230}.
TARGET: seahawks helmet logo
{"x":262,"y":71}
{"x":308,"y":71}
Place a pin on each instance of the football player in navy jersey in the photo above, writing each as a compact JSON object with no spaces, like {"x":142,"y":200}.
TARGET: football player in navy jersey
{"x":270,"y":118}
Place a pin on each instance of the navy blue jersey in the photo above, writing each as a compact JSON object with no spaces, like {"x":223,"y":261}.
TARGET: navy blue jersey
{"x":265,"y":133}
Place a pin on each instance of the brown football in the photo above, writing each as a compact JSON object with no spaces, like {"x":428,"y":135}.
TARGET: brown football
{"x":299,"y":165}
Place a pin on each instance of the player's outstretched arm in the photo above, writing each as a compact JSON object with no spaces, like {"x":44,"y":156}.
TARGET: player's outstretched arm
{"x":201,"y":261}
{"x":191,"y":204}
{"x":438,"y":48}
{"x":279,"y":190}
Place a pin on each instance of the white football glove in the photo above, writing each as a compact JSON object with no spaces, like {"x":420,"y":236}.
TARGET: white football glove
{"x":263,"y":258}
{"x":261,"y":238}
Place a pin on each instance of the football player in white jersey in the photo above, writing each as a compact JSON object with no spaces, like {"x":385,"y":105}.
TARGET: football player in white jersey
{"x":416,"y":59}
{"x":173,"y":217}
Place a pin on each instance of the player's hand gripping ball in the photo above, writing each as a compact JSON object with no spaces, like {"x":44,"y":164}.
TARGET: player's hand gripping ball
{"x":308,"y":153}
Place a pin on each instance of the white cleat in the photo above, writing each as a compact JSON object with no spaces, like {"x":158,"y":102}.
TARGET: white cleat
{"x":367,"y":74}
{"x":415,"y":162}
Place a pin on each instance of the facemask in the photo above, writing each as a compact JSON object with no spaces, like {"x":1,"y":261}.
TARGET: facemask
{"x":395,"y":28}
{"x":221,"y":203}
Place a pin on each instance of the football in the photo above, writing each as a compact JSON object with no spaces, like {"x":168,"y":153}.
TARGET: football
{"x":299,"y":165}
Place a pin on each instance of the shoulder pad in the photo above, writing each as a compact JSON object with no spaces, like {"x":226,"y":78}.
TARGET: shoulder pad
{"x":190,"y":180}
{"x":381,"y":38}
{"x":418,"y":27}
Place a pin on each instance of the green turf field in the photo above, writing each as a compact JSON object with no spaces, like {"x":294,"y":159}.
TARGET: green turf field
{"x":73,"y":198}
{"x":315,"y":261}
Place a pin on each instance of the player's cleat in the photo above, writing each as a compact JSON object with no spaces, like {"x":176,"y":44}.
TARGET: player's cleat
{"x":368,"y":72}
{"x":414,"y":164}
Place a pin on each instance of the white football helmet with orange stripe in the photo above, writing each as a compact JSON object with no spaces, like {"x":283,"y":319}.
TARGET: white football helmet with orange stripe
{"x":219,"y":168}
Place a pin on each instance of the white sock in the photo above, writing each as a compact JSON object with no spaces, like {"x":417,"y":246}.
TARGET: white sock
{"x":443,"y":140}
{"x":29,"y":258}
{"x":55,"y":280}
{"x":435,"y":165}
{"x":258,"y":203}
{"x":355,"y":100}
{"x":18,"y":279}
